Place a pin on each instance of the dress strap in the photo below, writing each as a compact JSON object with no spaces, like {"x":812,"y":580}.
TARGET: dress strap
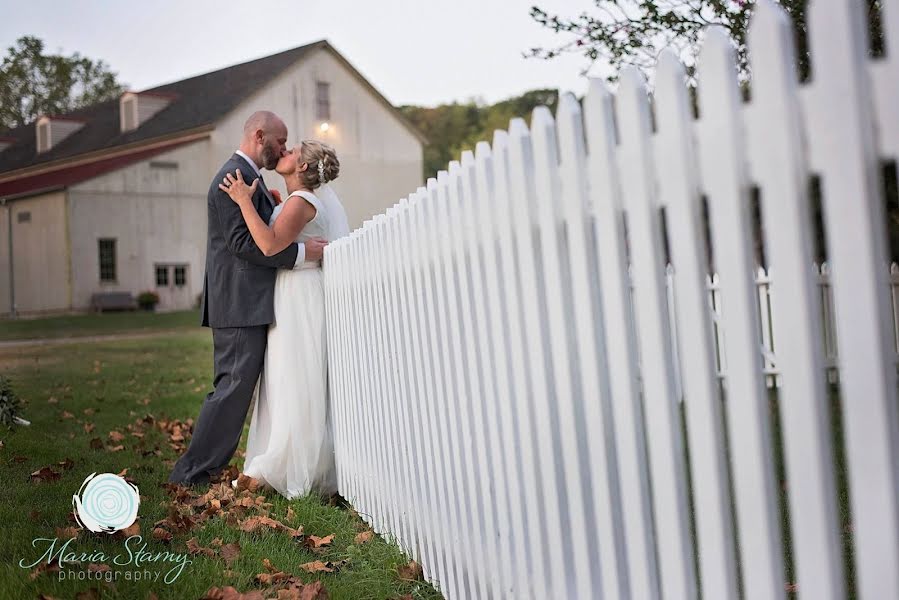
{"x":309,"y":197}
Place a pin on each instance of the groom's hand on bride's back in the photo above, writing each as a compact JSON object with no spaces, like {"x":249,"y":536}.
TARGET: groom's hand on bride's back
{"x":315,"y":249}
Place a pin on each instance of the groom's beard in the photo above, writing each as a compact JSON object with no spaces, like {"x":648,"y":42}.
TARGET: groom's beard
{"x":270,"y":158}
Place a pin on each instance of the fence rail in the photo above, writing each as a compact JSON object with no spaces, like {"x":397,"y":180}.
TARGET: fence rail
{"x":534,"y":405}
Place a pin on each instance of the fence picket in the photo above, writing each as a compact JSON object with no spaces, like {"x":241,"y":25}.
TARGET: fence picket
{"x":663,"y":431}
{"x":611,"y":247}
{"x":513,"y":324}
{"x":592,"y":363}
{"x":722,"y":164}
{"x":782,"y":175}
{"x":699,"y":379}
{"x":441,"y":392}
{"x":842,"y":126}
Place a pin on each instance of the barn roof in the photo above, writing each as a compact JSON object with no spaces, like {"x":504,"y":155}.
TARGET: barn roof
{"x":196,"y":102}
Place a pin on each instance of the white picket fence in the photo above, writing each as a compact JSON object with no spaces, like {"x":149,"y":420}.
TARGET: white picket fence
{"x":490,"y":411}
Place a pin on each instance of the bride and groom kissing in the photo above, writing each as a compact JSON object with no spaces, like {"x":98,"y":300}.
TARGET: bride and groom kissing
{"x":264,"y":300}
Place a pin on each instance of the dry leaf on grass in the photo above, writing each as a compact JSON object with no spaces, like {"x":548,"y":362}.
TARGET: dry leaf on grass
{"x":230,"y":593}
{"x":44,"y":474}
{"x":116,"y":436}
{"x":67,"y":533}
{"x":133,"y":529}
{"x":162,"y":535}
{"x":410,"y":571}
{"x":96,"y":444}
{"x":363,"y":537}
{"x":229,"y":552}
{"x":318,"y":566}
{"x":193,"y":547}
{"x":262,"y":522}
{"x":315,"y":542}
{"x":66,"y":415}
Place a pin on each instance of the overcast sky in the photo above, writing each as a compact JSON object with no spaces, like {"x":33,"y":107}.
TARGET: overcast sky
{"x":414,"y":51}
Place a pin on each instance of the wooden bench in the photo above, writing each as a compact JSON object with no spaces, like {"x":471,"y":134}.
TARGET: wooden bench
{"x":103,"y":301}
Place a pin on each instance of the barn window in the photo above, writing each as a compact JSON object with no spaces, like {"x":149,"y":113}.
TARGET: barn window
{"x":24,"y":217}
{"x":180,"y":276}
{"x":323,"y":100}
{"x":162,"y":276}
{"x":106,"y":249}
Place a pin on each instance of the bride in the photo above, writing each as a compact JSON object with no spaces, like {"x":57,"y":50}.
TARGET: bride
{"x":290,"y":445}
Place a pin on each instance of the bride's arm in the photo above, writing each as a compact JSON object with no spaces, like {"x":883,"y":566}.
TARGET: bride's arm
{"x":270,"y":240}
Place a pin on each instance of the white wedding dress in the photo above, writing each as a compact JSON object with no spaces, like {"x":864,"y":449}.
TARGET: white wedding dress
{"x":290,"y":445}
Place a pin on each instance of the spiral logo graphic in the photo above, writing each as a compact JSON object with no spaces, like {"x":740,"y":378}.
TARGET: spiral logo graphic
{"x":106,"y":503}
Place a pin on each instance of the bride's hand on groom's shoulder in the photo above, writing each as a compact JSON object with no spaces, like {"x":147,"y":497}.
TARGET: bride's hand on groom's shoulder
{"x":234,"y":186}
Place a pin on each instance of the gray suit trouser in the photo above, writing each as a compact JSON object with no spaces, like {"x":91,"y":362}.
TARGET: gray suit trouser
{"x":238,"y":353}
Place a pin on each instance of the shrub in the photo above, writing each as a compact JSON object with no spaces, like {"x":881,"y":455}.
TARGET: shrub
{"x":10,"y":405}
{"x":148,"y":300}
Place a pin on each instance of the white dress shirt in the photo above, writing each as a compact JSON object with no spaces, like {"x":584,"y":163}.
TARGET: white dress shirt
{"x":301,"y":248}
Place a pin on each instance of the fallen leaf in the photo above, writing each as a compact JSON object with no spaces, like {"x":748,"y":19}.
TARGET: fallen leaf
{"x":313,"y":591}
{"x":162,"y":535}
{"x":123,"y":472}
{"x":318,"y":566}
{"x":245,"y":482}
{"x":19,"y":459}
{"x":66,"y":464}
{"x":44,"y":474}
{"x":116,"y":436}
{"x":229,"y":552}
{"x":133,"y":529}
{"x":230,"y":593}
{"x":89,"y":411}
{"x":52,"y":400}
{"x":314,"y":542}
{"x":118,"y":448}
{"x":410,"y":572}
{"x":67,"y":533}
{"x":96,"y":444}
{"x":35,"y":515}
{"x":363,"y":537}
{"x":193,"y":547}
{"x":88,"y":427}
{"x":254,"y":523}
{"x":46,"y":567}
{"x":290,"y":514}
{"x":66,"y":415}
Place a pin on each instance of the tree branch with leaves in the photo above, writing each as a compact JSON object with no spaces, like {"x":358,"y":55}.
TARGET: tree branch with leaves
{"x":33,"y":83}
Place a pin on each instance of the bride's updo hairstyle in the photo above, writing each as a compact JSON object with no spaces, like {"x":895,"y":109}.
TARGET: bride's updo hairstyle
{"x":323,"y":164}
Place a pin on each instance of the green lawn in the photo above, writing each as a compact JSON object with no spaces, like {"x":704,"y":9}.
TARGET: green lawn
{"x":96,"y":324}
{"x":109,"y":386}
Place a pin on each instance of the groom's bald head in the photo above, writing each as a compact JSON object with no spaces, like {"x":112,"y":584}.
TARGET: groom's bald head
{"x":264,"y":138}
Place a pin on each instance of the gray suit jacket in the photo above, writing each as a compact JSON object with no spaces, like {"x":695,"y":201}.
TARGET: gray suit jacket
{"x":239,"y":285}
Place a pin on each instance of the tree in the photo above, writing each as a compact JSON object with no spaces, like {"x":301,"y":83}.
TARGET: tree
{"x":33,"y":83}
{"x":633,"y":32}
{"x":452,"y":128}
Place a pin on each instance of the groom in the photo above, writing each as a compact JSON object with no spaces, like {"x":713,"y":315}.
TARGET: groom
{"x":238,"y":300}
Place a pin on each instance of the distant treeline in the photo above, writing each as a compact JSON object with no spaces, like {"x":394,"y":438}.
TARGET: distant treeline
{"x":452,"y":128}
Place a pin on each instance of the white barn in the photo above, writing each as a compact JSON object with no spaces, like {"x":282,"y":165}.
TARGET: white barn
{"x":113,"y":197}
